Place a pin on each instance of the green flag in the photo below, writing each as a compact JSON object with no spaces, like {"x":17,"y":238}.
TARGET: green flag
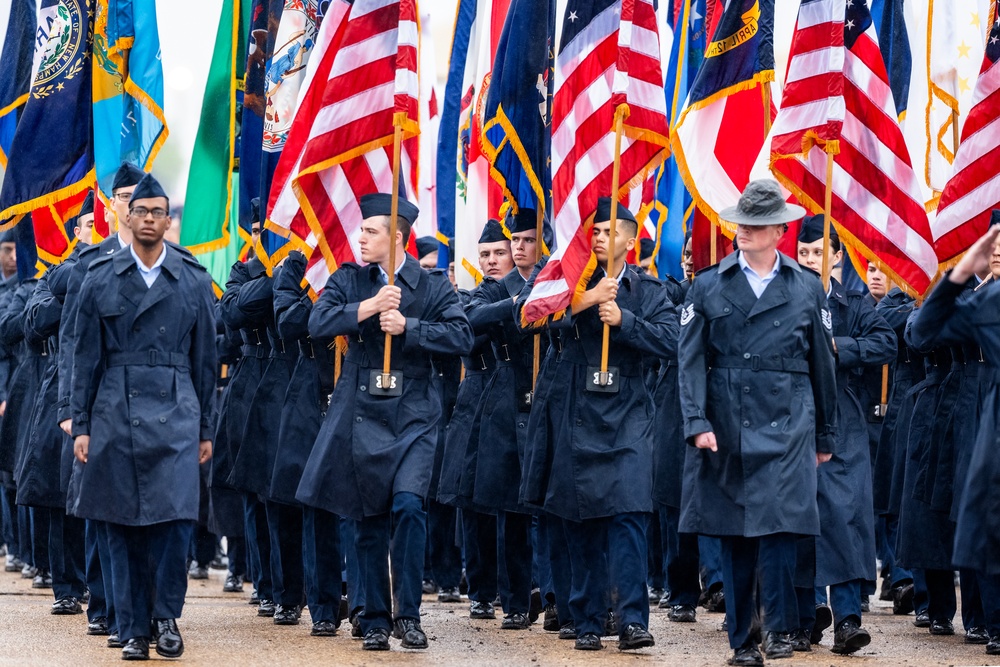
{"x":208,"y":227}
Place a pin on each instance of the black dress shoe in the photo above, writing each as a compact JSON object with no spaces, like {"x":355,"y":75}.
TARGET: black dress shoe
{"x":410,"y":632}
{"x":233,"y":584}
{"x":114,"y":641}
{"x":535,"y":605}
{"x":42,"y":580}
{"x":136,"y":648}
{"x":98,"y":627}
{"x":716,"y":601}
{"x":993,"y":647}
{"x":567,"y":631}
{"x":902,"y":600}
{"x":356,"y":626}
{"x":254,"y":598}
{"x":481,"y":610}
{"x":635,"y":636}
{"x":850,"y":637}
{"x":66,"y":607}
{"x":286,"y":615}
{"x":550,"y":620}
{"x":747,"y":656}
{"x":824,"y":619}
{"x":655,"y":594}
{"x":885,"y":593}
{"x":197,"y":572}
{"x":515,"y":622}
{"x":800,"y":641}
{"x":428,"y":587}
{"x":266,"y":607}
{"x":977,"y":635}
{"x":866,"y":605}
{"x":922,"y":620}
{"x":449,"y":595}
{"x":167,"y":638}
{"x":942,"y":627}
{"x":610,"y":625}
{"x":777,"y":645}
{"x":377,"y":639}
{"x":588,"y":642}
{"x":682,"y":613}
{"x":323,"y":629}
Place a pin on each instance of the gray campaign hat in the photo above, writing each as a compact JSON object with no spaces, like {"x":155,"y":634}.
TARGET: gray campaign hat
{"x":762,"y":204}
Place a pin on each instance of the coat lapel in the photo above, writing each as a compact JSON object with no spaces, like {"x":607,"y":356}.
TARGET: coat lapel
{"x":774,"y":295}
{"x":736,"y":289}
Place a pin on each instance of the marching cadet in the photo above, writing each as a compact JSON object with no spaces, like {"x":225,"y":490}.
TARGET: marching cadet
{"x":459,"y":461}
{"x":597,"y":478}
{"x":843,"y":556}
{"x":758,"y":393}
{"x":145,"y":332}
{"x":41,"y":473}
{"x":953,"y":316}
{"x":506,"y":403}
{"x":8,"y":505}
{"x":374,"y":455}
{"x":305,"y":403}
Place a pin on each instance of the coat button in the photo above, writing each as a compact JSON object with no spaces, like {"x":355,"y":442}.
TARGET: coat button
{"x":746,"y":355}
{"x":385,"y":422}
{"x":135,"y":392}
{"x":358,"y":419}
{"x":135,"y":422}
{"x":746,"y":423}
{"x":163,"y":420}
{"x":777,"y":323}
{"x":774,"y":424}
{"x":364,"y":388}
{"x":725,"y":310}
{"x":746,"y":390}
{"x":775,"y":391}
{"x":579,"y":422}
{"x":163,"y":330}
{"x":163,"y":392}
{"x":121,"y":309}
{"x":747,"y":323}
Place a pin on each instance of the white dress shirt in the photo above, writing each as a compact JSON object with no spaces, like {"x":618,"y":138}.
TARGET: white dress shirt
{"x":149,"y":274}
{"x":759,"y":283}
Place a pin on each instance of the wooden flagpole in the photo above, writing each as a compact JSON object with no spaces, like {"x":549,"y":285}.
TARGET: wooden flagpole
{"x":397,"y":142}
{"x":612,"y":273}
{"x":539,"y":228}
{"x":827,"y":212}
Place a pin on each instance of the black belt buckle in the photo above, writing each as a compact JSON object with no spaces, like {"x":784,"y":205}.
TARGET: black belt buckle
{"x":385,"y":384}
{"x":601,"y":382}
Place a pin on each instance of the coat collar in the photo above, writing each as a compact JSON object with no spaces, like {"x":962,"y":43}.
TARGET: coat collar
{"x":837,"y":292}
{"x":513,"y":282}
{"x":409,"y":273}
{"x":736,"y":289}
{"x":784,"y":261}
{"x":172,"y":263}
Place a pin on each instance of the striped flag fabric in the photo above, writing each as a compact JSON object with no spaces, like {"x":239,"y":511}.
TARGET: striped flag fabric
{"x":877,"y":207}
{"x":365,"y":84}
{"x":973,"y":190}
{"x":607,"y":63}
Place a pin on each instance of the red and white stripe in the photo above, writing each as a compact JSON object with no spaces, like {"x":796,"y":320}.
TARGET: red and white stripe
{"x":340,"y":146}
{"x":877,"y":205}
{"x":614,"y":60}
{"x":973,"y":190}
{"x":812,"y":103}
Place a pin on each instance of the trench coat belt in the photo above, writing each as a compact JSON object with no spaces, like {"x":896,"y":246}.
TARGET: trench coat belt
{"x":280,"y":351}
{"x":258,"y":351}
{"x":148,"y":358}
{"x":306,"y":348}
{"x":755,"y":362}
{"x":481,"y":363}
{"x":670,"y":363}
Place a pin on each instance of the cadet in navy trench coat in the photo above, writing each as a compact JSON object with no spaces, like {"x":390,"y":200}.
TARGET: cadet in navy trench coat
{"x":760,"y":374}
{"x":143,"y":389}
{"x":373,"y":447}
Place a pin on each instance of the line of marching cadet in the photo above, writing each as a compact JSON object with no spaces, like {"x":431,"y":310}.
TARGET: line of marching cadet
{"x":758,"y":443}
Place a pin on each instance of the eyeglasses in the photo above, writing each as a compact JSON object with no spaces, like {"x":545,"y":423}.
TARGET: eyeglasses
{"x":141,"y":212}
{"x":123,"y":196}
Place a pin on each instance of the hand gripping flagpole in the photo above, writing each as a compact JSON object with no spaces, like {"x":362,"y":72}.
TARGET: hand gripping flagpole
{"x":397,"y":142}
{"x":611,"y":272}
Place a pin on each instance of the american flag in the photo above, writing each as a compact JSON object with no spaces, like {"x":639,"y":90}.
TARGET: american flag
{"x":973,"y":191}
{"x":340,"y":145}
{"x":608,"y":61}
{"x":877,"y":206}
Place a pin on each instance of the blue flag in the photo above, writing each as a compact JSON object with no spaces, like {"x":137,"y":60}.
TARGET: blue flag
{"x":15,"y":71}
{"x":447,"y":154}
{"x":516,"y":120}
{"x":51,"y":155}
{"x":895,"y":45}
{"x":673,"y":206}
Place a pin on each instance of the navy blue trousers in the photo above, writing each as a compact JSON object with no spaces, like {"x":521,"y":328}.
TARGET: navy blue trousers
{"x":399,"y":536}
{"x":514,"y":560}
{"x":655,"y":543}
{"x":98,"y":605}
{"x":106,"y":556}
{"x":710,"y":558}
{"x":541,"y":567}
{"x":352,"y":575}
{"x":845,"y":600}
{"x":973,"y":614}
{"x":941,"y":601}
{"x":444,"y":565}
{"x":681,"y":555}
{"x":8,"y":520}
{"x":989,"y":587}
{"x":772,"y":558}
{"x":203,"y":545}
{"x":284,"y":525}
{"x":258,"y":543}
{"x":898,"y":576}
{"x":558,"y":552}
{"x":24,"y":535}
{"x":67,"y":553}
{"x":40,"y":520}
{"x":236,"y":553}
{"x":321,"y":564}
{"x":608,"y":554}
{"x":150,"y":570}
{"x":480,"y":535}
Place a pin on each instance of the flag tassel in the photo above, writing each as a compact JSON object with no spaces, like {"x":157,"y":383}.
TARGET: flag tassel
{"x":620,"y":114}
{"x":827,"y":214}
{"x":397,"y":142}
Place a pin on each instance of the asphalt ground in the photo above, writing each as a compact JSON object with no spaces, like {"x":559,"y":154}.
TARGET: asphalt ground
{"x":221,"y":629}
